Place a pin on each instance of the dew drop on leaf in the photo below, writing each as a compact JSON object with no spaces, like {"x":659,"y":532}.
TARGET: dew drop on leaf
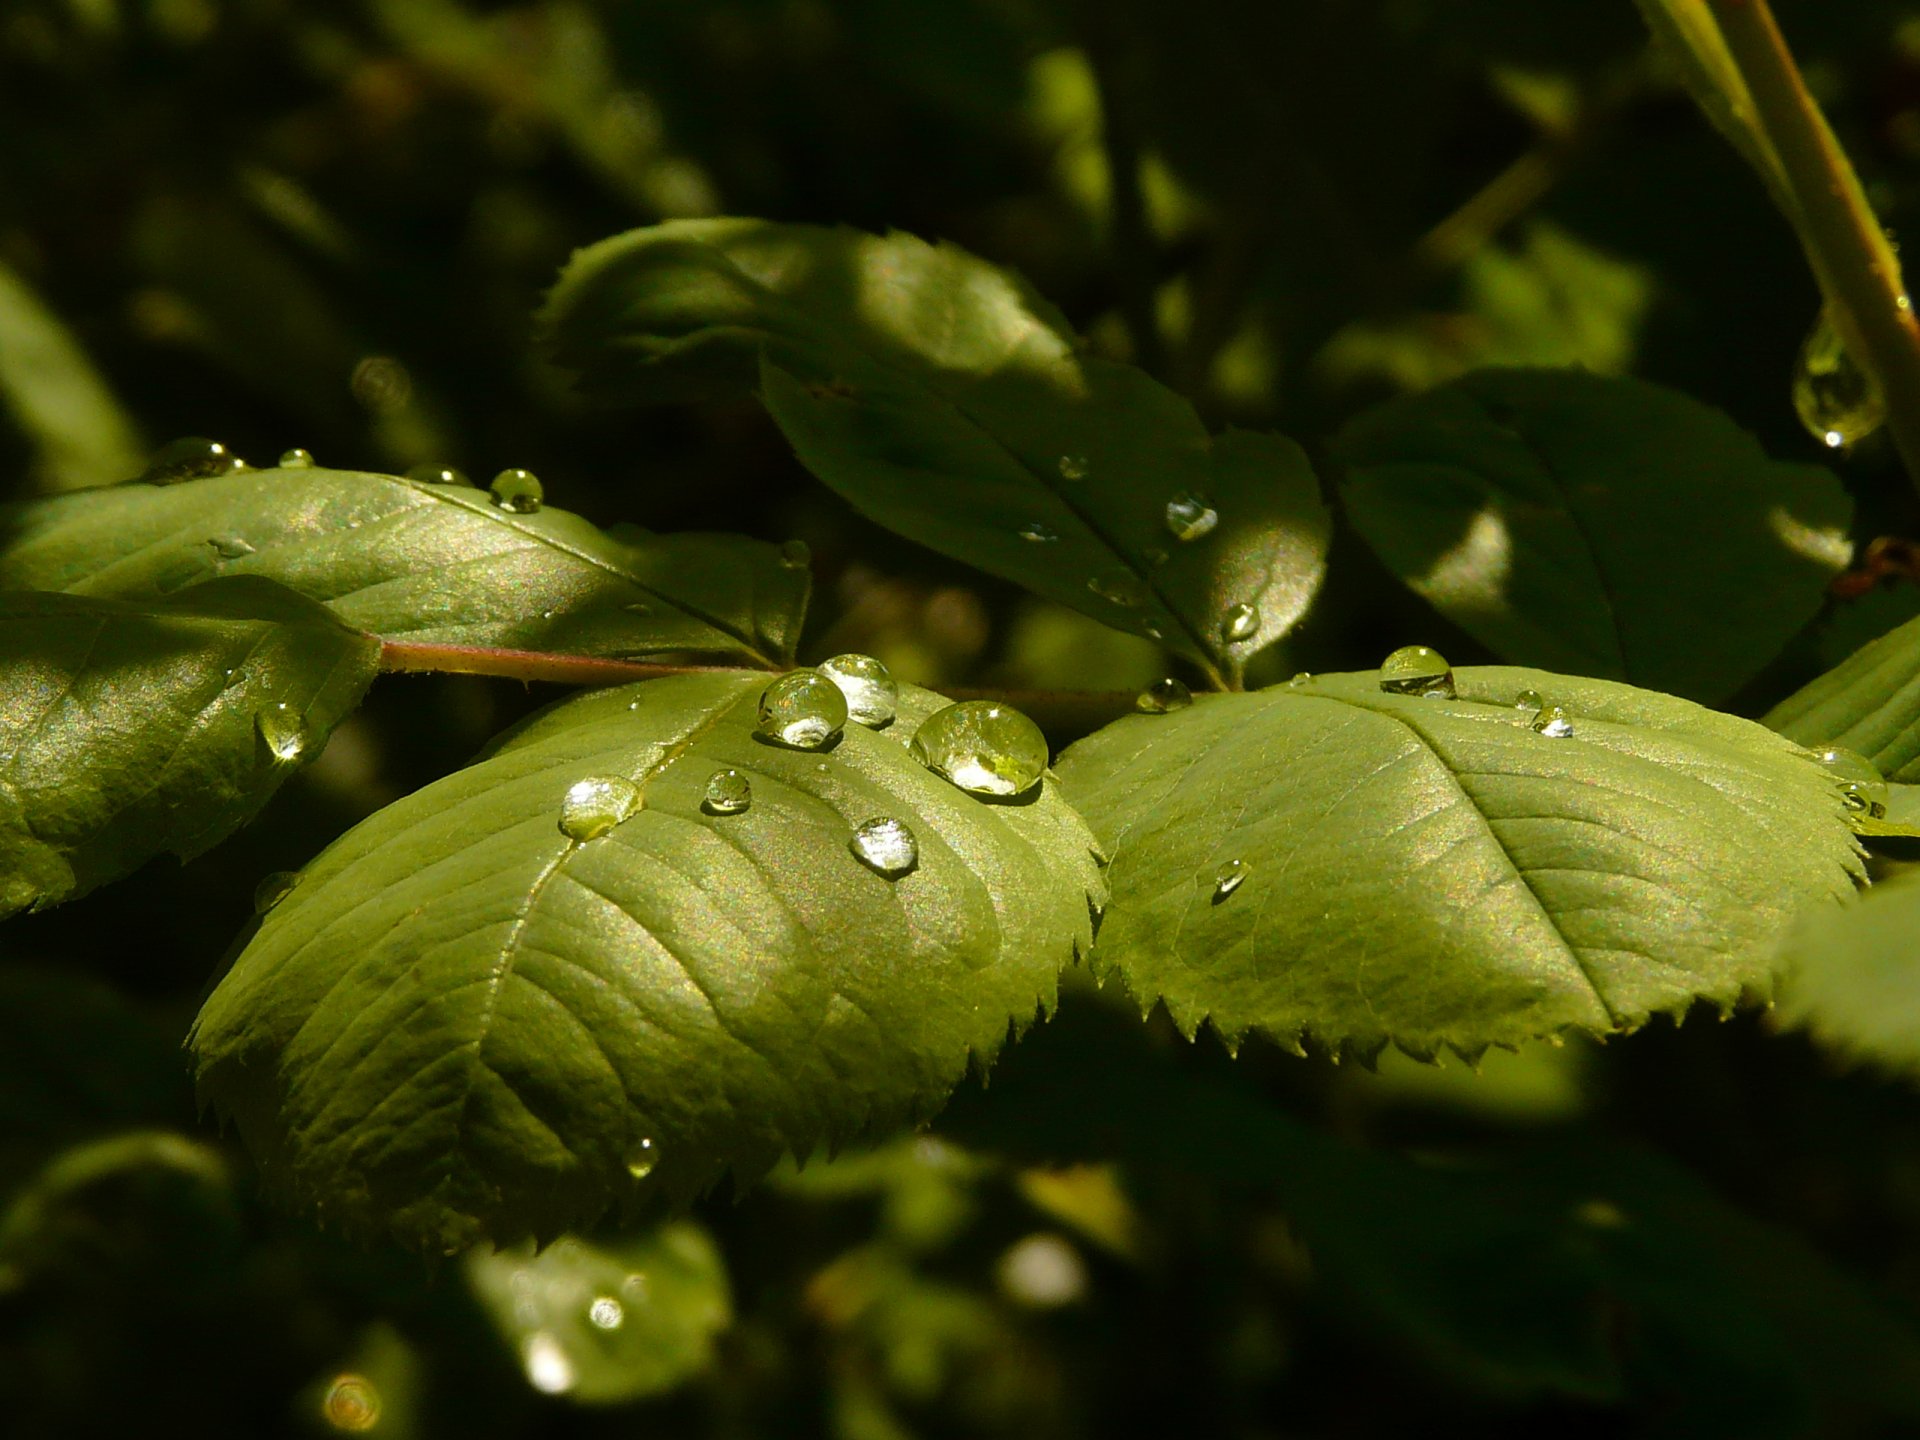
{"x":872,"y":696}
{"x":1073,"y":467}
{"x":517,"y":491}
{"x":983,"y":746}
{"x":1125,"y":591}
{"x":1553,"y":722}
{"x":593,"y":806}
{"x":1036,"y":533}
{"x":886,"y":847}
{"x":1189,"y":517}
{"x":1162,"y":697}
{"x":1300,"y":680}
{"x":1861,"y":784}
{"x":641,"y":1162}
{"x":274,"y":888}
{"x":284,"y":730}
{"x":191,"y":458}
{"x":1241,"y":622}
{"x":1529,"y":700}
{"x":231,"y":547}
{"x":440,"y":475}
{"x":1836,"y":399}
{"x":1229,"y":878}
{"x":1417,"y":670}
{"x":296,"y":459}
{"x":802,"y":710}
{"x":728,"y":793}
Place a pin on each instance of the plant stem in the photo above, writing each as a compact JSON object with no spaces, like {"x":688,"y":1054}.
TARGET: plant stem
{"x":1845,"y":245}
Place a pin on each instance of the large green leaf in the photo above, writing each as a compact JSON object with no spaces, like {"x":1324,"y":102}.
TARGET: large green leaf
{"x":1869,"y":702}
{"x":1855,"y":977}
{"x":411,"y":560}
{"x":947,"y":401}
{"x":1569,"y":521}
{"x":461,"y":1023}
{"x":1435,"y":872}
{"x":127,"y":730}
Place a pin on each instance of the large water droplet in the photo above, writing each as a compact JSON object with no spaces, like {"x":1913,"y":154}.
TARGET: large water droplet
{"x":284,"y":730}
{"x":983,"y":746}
{"x":1553,"y":722}
{"x":1126,"y":591}
{"x":872,"y":696}
{"x":1861,"y":784}
{"x":190,"y":458}
{"x":802,"y":710}
{"x":274,"y":888}
{"x":1036,"y":533}
{"x":645,"y":1156}
{"x":231,"y":547}
{"x":440,"y":475}
{"x":1073,"y":467}
{"x":1241,"y":622}
{"x":1229,"y":878}
{"x":886,"y":847}
{"x":1529,"y":700}
{"x":1163,"y":697}
{"x":296,"y":459}
{"x":1417,"y":670}
{"x":518,"y":491}
{"x":1835,"y":398}
{"x":593,"y":806}
{"x":728,"y":793}
{"x":1189,"y":517}
{"x":606,"y":1313}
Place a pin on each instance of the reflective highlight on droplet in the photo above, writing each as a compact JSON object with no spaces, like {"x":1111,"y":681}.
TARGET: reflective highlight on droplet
{"x":728,"y":793}
{"x":296,"y":459}
{"x":1836,"y":399}
{"x":886,"y":847}
{"x":983,"y":746}
{"x":284,"y":730}
{"x":517,"y":491}
{"x":1861,"y":784}
{"x":437,"y":475}
{"x":1189,"y":517}
{"x":872,"y":695}
{"x":1241,"y":622}
{"x":1417,"y":670}
{"x":594,"y":805}
{"x":802,"y":710}
{"x":192,"y":457}
{"x":1229,"y":878}
{"x":1553,"y":722}
{"x":1162,"y":697}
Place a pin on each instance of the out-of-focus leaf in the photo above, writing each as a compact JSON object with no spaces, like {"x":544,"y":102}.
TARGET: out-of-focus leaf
{"x":1855,"y":978}
{"x":1565,"y":520}
{"x":412,"y":560}
{"x":1869,"y":702}
{"x":57,"y":398}
{"x":947,"y":401}
{"x":1326,"y":861}
{"x":131,"y":729}
{"x":465,"y":1023}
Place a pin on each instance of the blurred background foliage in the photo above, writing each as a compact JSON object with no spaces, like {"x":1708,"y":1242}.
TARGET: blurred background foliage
{"x":327,"y":224}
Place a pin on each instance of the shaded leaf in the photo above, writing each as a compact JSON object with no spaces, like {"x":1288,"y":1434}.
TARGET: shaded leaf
{"x":131,"y":729}
{"x":410,"y":560}
{"x":1869,"y":702}
{"x":1565,"y":520}
{"x":1855,"y":978}
{"x":461,"y":1023}
{"x":947,"y":401}
{"x":57,"y":397}
{"x":1434,"y":872}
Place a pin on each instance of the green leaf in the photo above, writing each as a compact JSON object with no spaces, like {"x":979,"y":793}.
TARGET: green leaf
{"x":461,"y":1023}
{"x":948,"y":402}
{"x":1854,"y":984}
{"x":127,"y":730}
{"x":1434,"y":872}
{"x":57,"y":397}
{"x":1869,"y":702}
{"x":604,"y":1324}
{"x":1567,"y":520}
{"x":413,"y":561}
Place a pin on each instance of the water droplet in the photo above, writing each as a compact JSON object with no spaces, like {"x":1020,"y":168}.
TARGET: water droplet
{"x":802,"y":710}
{"x":606,"y":1313}
{"x":645,"y":1156}
{"x":548,"y":1369}
{"x":1529,"y":700}
{"x":1073,"y":467}
{"x":1241,"y":622}
{"x":1038,"y":534}
{"x":1162,"y":697}
{"x":728,"y":793}
{"x":1189,"y":517}
{"x":284,"y":730}
{"x":983,"y":746}
{"x":191,"y":458}
{"x":517,"y":491}
{"x":1417,"y":670}
{"x":593,"y":806}
{"x":1126,"y":591}
{"x":1861,"y":784}
{"x":1553,"y":723}
{"x":1301,"y":680}
{"x":1229,"y":878}
{"x":1837,"y":401}
{"x":795,"y":555}
{"x":352,"y":1404}
{"x":440,"y":475}
{"x":231,"y":547}
{"x":886,"y":847}
{"x":273,"y":889}
{"x":296,"y":459}
{"x":872,"y":697}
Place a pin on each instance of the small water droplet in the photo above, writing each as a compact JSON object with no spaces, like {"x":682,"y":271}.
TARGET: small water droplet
{"x":1837,"y":400}
{"x":1300,"y":680}
{"x":983,"y":746}
{"x":802,"y":710}
{"x":517,"y":491}
{"x":440,"y":475}
{"x":886,"y":847}
{"x":1241,"y":622}
{"x":231,"y":547}
{"x":641,"y":1162}
{"x":548,"y":1369}
{"x":352,"y":1404}
{"x":1126,"y":591}
{"x":1553,"y":723}
{"x":296,"y":459}
{"x":872,"y":696}
{"x":193,"y":457}
{"x":593,"y":806}
{"x":728,"y":793}
{"x":1529,"y":700}
{"x":1073,"y":467}
{"x":606,"y":1313}
{"x":1861,"y":784}
{"x":1163,"y":697}
{"x":1229,"y":878}
{"x":796,"y":555}
{"x":1038,"y":534}
{"x":637,"y":607}
{"x":284,"y":730}
{"x":1189,"y":517}
{"x":274,"y":888}
{"x":1417,"y":670}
